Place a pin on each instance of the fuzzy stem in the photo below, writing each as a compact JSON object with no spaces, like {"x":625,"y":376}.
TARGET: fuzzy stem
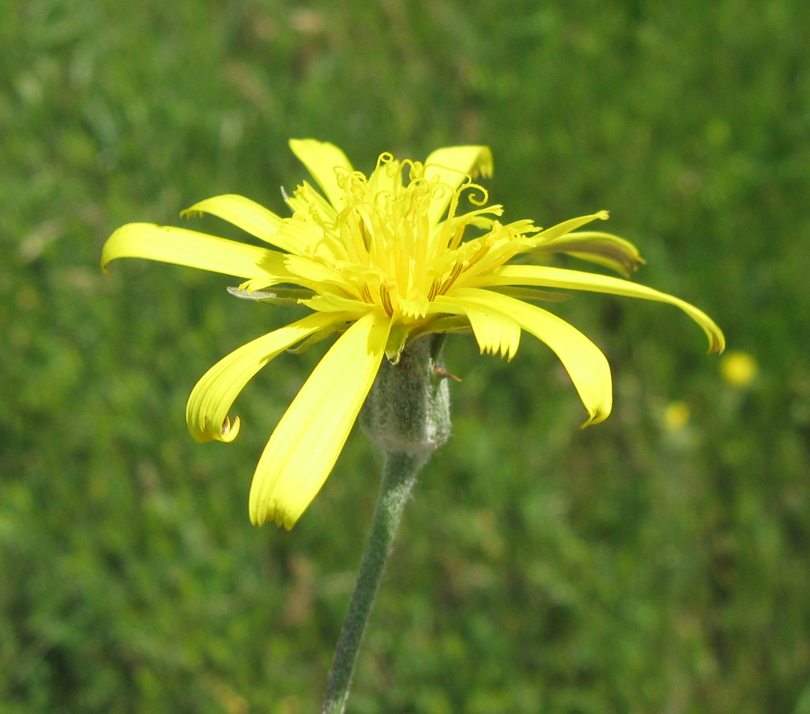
{"x":399,"y":476}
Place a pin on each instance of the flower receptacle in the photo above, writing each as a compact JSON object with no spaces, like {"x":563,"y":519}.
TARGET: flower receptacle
{"x":408,"y":408}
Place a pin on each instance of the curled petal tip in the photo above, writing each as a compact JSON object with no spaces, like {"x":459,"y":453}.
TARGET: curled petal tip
{"x":596,"y":417}
{"x":717,"y":340}
{"x":226,"y":432}
{"x":718,"y":344}
{"x":229,"y":431}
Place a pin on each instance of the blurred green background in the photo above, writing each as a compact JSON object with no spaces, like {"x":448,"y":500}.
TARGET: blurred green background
{"x":659,"y":562}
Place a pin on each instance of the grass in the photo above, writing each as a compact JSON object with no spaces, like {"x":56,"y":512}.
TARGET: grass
{"x":630,"y":567}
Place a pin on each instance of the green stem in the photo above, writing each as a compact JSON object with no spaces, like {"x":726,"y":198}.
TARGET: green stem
{"x":399,"y":476}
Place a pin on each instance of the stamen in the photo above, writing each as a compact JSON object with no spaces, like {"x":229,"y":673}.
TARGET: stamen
{"x":458,"y":268}
{"x":385,"y":298}
{"x":455,"y":241}
{"x":365,"y":293}
{"x":363,"y":232}
{"x":481,"y":250}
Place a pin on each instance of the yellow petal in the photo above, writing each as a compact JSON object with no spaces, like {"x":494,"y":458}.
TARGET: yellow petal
{"x":306,"y":199}
{"x":330,"y":302}
{"x":561,"y":229}
{"x":212,"y":397}
{"x":251,"y":217}
{"x":316,"y":274}
{"x":601,"y":248}
{"x":195,"y":250}
{"x":582,"y":359}
{"x":495,"y":332}
{"x":308,"y":439}
{"x":526,"y":293}
{"x":454,"y":163}
{"x":451,"y":166}
{"x":544,"y":277}
{"x":321,"y":160}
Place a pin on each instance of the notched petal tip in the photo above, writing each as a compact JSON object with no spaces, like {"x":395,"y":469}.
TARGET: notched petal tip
{"x":283,"y":522}
{"x":261,"y":515}
{"x":257,"y":516}
{"x":505,"y":348}
{"x":268,"y":504}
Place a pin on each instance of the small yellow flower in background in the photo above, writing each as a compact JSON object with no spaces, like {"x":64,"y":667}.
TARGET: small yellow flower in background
{"x":738,"y":369}
{"x":382,"y":260}
{"x":676,"y":416}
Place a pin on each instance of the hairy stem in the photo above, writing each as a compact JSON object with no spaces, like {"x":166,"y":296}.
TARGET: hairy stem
{"x":399,"y":476}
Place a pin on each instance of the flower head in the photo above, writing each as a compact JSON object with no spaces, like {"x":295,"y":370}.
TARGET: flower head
{"x":411,"y":249}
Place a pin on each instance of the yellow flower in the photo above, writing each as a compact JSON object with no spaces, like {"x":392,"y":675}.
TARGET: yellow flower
{"x":382,"y":259}
{"x":739,"y":369}
{"x":676,"y":416}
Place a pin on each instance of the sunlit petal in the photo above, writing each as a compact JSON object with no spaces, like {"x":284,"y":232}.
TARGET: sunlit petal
{"x":451,"y":166}
{"x":522,"y":293}
{"x":306,"y":198}
{"x":322,"y":159}
{"x":212,"y":397}
{"x":314,"y":273}
{"x":330,"y":302}
{"x":251,"y":217}
{"x":190,"y":248}
{"x":582,"y":359}
{"x":561,"y":229}
{"x":545,"y":277}
{"x":496,"y":333}
{"x":603,"y":249}
{"x":308,"y":439}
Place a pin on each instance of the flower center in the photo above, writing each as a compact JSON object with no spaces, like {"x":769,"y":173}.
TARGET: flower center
{"x":398,"y":243}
